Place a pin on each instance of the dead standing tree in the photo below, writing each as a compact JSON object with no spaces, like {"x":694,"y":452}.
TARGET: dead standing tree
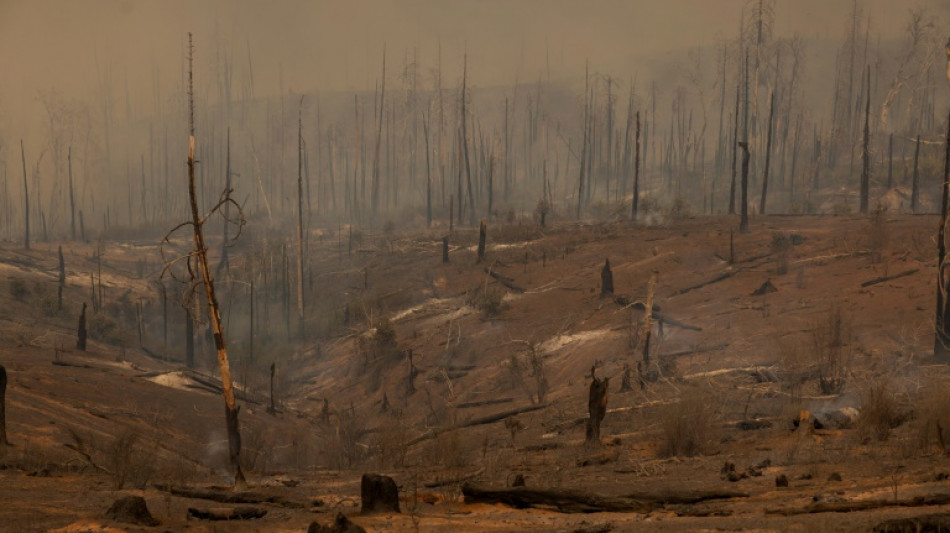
{"x":3,"y":407}
{"x":941,"y":325}
{"x":597,"y":406}
{"x":199,"y":275}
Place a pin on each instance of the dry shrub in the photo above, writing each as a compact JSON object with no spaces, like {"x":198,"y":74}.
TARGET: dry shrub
{"x":377,"y":351}
{"x":831,"y":338}
{"x":488,"y":299}
{"x":878,"y":234}
{"x":392,"y":442}
{"x":342,"y":444}
{"x":781,"y":246}
{"x":131,"y":461}
{"x":880,"y":411}
{"x":931,"y":425}
{"x":688,"y":426}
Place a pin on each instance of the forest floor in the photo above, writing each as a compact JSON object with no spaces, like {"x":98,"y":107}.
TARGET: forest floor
{"x":502,"y":352}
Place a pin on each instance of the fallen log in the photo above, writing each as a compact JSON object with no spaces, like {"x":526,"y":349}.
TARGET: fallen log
{"x":913,"y":524}
{"x":717,"y":279}
{"x":504,"y":280}
{"x":466,"y":405}
{"x":228,"y":496}
{"x":227,"y":513}
{"x":215,"y":385}
{"x":489,"y":419}
{"x":570,"y":501}
{"x":672,"y":322}
{"x":862,"y":505}
{"x":453,"y":480}
{"x":565,"y":501}
{"x":882,"y":279}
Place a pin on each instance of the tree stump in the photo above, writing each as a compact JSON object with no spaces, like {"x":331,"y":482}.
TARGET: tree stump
{"x":131,"y":510}
{"x":81,"y":334}
{"x":378,"y":494}
{"x":3,"y":407}
{"x":597,"y":405}
{"x":482,"y":230}
{"x":606,"y":280}
{"x":445,"y":249}
{"x":341,"y":524}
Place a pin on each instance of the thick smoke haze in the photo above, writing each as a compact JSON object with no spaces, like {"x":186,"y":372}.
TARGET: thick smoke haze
{"x":318,"y":45}
{"x":106,"y":80}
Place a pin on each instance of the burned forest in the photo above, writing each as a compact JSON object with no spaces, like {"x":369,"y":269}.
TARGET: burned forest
{"x":474,"y":266}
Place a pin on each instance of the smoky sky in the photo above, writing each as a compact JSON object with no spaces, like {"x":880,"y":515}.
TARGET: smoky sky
{"x":303,"y":46}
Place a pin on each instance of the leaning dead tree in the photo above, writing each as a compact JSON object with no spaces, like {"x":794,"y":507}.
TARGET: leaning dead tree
{"x":199,"y":276}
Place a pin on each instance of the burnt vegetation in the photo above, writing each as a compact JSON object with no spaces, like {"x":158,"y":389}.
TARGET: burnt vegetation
{"x":572,"y":291}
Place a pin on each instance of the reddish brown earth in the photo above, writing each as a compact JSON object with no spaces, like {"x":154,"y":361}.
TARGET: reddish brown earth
{"x":742,"y":357}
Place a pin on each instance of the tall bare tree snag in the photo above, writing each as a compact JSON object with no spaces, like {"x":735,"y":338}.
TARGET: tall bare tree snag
{"x":62,"y":281}
{"x":379,"y":136}
{"x":866,"y":152}
{"x":915,"y":190}
{"x":744,"y":208}
{"x":81,"y":332}
{"x":72,"y":199}
{"x":200,"y":275}
{"x":646,"y":327}
{"x":768,"y":156}
{"x":941,"y":324}
{"x":300,"y":233}
{"x":606,"y":280}
{"x":735,"y":151}
{"x":26,"y":200}
{"x":597,"y":407}
{"x":3,"y":407}
{"x":636,"y":174}
{"x":272,"y":408}
{"x":425,"y":132}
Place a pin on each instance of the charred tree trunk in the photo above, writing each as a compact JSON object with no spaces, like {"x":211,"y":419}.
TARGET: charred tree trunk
{"x":636,"y":174}
{"x":425,"y":132}
{"x":866,"y":153}
{"x":445,"y":249}
{"x":379,"y":135}
{"x":735,"y":150}
{"x":272,"y":409}
{"x":597,"y":407}
{"x":890,"y":161}
{"x":606,"y":280}
{"x":81,"y":332}
{"x":26,"y":200}
{"x":744,"y":208}
{"x":300,"y":233}
{"x":482,"y":230}
{"x":201,"y":251}
{"x":768,"y":155}
{"x":3,"y":407}
{"x":72,"y":200}
{"x":915,"y":191}
{"x":942,"y":333}
{"x":646,"y":329}
{"x":62,"y":280}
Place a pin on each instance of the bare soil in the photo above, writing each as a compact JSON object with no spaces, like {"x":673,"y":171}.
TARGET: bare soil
{"x":89,"y":427}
